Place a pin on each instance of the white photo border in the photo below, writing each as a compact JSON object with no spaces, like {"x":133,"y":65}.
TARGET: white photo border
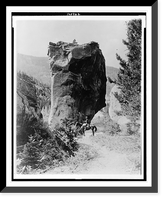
{"x":85,"y":184}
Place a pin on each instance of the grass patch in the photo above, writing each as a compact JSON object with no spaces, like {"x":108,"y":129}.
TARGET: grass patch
{"x":81,"y":158}
{"x":121,"y":144}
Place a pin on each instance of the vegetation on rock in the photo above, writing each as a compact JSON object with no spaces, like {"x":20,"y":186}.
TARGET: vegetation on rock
{"x":32,"y":96}
{"x":37,"y":146}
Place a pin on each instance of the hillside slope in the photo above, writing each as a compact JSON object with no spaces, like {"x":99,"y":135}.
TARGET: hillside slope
{"x":32,"y":98}
{"x":112,"y":72}
{"x":38,"y":67}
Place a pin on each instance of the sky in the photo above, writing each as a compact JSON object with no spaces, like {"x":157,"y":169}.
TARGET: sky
{"x":32,"y":36}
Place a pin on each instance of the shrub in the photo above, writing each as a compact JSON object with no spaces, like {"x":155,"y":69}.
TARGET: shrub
{"x":111,"y":127}
{"x":45,"y":148}
{"x":31,"y":154}
{"x":68,"y":134}
{"x":115,"y":129}
{"x":133,"y":128}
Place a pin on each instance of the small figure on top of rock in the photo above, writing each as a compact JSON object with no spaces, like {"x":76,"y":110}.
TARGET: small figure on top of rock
{"x":75,"y":42}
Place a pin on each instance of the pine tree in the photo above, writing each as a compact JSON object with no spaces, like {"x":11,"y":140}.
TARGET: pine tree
{"x":129,"y":76}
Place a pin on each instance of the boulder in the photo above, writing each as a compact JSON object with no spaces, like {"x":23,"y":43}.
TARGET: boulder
{"x":115,"y":111}
{"x":114,"y":105}
{"x":99,"y":117}
{"x":78,"y":81}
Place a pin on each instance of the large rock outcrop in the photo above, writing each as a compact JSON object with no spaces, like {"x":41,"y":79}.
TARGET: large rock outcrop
{"x":33,"y":98}
{"x":115,"y":111}
{"x":78,"y":81}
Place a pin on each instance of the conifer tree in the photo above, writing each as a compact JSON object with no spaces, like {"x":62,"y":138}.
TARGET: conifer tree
{"x":129,"y":76}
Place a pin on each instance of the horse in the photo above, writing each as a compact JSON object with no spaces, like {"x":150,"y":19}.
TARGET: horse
{"x":87,"y":126}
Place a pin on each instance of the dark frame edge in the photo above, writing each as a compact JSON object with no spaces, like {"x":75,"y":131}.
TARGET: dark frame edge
{"x":154,"y":188}
{"x":155,"y":97}
{"x":78,"y":190}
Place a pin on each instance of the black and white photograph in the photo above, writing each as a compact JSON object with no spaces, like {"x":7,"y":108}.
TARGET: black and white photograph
{"x":79,"y":98}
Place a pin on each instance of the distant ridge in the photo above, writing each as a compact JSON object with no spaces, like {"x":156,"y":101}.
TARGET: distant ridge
{"x":112,"y":72}
{"x":38,"y":67}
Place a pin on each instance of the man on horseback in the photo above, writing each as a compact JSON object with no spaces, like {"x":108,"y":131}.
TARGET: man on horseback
{"x":86,"y":126}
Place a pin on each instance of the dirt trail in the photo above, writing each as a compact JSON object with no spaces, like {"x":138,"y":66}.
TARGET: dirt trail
{"x":96,"y":157}
{"x":107,"y":161}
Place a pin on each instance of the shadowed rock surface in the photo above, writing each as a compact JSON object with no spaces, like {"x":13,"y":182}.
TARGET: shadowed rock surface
{"x":78,"y":81}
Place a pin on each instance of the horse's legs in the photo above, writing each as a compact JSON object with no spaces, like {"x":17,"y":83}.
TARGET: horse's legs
{"x":93,"y":131}
{"x":83,"y":131}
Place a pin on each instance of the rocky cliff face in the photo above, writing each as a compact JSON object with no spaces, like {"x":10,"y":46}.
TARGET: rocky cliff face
{"x":78,"y":81}
{"x":33,"y":100}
